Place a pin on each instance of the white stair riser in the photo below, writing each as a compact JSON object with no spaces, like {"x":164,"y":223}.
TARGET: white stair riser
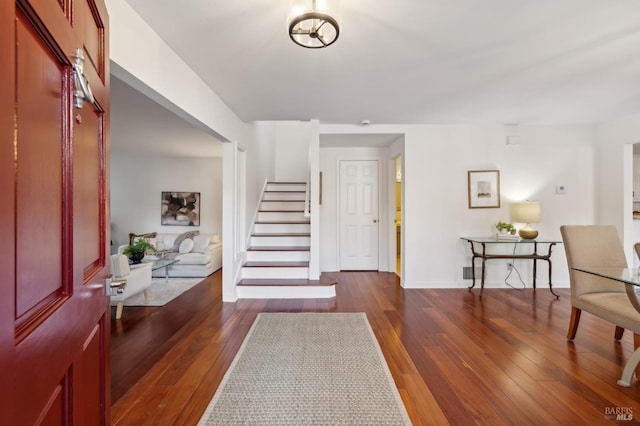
{"x":282,"y":216}
{"x":280,"y":228}
{"x":300,"y":196}
{"x":279,"y":241}
{"x":277,"y":256}
{"x":286,"y":292}
{"x":275,"y":272}
{"x":286,"y":187}
{"x":278,"y":205}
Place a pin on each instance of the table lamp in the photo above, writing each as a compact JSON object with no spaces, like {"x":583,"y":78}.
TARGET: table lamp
{"x":526,"y":212}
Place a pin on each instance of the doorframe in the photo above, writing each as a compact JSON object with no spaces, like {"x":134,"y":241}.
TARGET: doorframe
{"x":383,"y":239}
{"x":393,"y":252}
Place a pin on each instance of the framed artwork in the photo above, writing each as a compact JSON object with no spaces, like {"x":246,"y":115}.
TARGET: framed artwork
{"x":180,"y":209}
{"x":484,"y":189}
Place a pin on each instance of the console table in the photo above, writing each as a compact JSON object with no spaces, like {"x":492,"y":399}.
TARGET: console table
{"x":481,"y":243}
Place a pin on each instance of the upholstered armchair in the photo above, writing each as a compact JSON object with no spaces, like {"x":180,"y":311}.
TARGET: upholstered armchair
{"x":598,"y":246}
{"x":128,"y":280}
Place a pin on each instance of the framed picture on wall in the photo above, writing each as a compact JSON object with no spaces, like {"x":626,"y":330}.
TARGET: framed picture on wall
{"x":484,"y":189}
{"x":180,"y":209}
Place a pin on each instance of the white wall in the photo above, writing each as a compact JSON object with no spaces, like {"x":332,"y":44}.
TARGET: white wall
{"x":615,"y":178}
{"x":436,"y":214}
{"x":292,"y":140}
{"x":137,"y":183}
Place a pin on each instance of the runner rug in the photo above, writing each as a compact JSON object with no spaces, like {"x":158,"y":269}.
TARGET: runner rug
{"x":308,"y":368}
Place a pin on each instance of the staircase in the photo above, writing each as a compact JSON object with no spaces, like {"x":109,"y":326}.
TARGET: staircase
{"x":277,"y":261}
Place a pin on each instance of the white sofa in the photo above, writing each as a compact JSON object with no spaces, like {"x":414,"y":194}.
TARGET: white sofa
{"x":199,"y":257}
{"x":137,"y":277}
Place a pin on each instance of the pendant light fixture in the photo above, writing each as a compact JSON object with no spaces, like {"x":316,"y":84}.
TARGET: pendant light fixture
{"x":314,"y":30}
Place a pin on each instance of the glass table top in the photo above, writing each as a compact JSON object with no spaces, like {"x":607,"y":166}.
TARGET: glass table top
{"x":495,"y":239}
{"x":157,"y":264}
{"x":623,"y":275}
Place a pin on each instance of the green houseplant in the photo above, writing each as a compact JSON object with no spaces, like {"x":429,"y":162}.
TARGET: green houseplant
{"x":137,"y":250}
{"x":505,"y":227}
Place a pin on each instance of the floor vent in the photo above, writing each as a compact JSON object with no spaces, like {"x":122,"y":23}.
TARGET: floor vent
{"x":467,"y":273}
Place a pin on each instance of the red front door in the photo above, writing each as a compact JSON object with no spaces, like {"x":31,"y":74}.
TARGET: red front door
{"x":54,"y":311}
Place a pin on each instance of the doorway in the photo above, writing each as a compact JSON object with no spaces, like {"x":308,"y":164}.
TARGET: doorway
{"x":398,"y":217}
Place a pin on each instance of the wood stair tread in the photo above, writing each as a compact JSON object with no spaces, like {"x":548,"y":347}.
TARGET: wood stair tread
{"x":283,"y":222}
{"x":282,"y":201}
{"x":276,"y":264}
{"x":279,"y":248}
{"x":282,"y":234}
{"x":323,"y":281}
{"x":280,"y":211}
{"x":286,"y":183}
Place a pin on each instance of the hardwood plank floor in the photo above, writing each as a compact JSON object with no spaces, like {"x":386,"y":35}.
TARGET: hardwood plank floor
{"x":456,"y":359}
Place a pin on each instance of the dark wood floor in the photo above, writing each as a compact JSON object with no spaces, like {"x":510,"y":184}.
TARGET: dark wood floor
{"x":456,"y":359}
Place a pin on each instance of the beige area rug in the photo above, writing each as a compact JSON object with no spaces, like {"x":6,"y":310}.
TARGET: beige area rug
{"x":162,"y":292}
{"x":308,"y":368}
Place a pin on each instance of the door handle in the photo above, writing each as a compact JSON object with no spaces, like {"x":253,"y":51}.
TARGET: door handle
{"x":116,"y":286}
{"x":82,"y":92}
{"x":375,"y":220}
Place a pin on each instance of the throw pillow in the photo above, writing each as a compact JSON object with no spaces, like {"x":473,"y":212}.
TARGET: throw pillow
{"x":186,"y":246}
{"x":216,"y":238}
{"x":200,"y":243}
{"x":182,"y":237}
{"x":133,"y":236}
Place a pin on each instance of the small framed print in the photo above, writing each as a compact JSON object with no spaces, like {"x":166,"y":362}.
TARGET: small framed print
{"x":484,"y":189}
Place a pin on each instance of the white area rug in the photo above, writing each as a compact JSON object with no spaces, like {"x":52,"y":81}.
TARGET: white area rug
{"x":308,"y":368}
{"x":162,"y":292}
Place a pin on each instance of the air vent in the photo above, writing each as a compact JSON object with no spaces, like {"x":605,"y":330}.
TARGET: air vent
{"x":467,"y":273}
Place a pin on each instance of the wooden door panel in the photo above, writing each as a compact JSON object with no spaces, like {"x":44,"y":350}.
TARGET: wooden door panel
{"x":93,"y":37}
{"x":91,"y":387}
{"x":87,"y":199}
{"x":39,"y":221}
{"x":54,"y":313}
{"x":7,"y":212}
{"x":54,"y":411}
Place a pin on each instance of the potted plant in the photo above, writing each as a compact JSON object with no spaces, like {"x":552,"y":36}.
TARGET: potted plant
{"x":505,"y":228}
{"x":137,"y":250}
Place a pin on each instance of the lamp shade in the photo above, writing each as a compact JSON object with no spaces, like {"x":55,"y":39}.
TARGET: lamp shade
{"x":525,"y":212}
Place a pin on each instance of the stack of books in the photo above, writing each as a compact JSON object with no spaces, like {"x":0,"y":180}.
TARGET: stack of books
{"x":511,"y":237}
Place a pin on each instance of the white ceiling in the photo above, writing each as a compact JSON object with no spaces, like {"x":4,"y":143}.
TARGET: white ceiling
{"x":396,"y":62}
{"x":415,"y":61}
{"x":140,"y":126}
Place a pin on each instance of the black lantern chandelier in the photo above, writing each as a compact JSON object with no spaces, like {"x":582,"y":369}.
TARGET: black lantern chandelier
{"x":314,"y":30}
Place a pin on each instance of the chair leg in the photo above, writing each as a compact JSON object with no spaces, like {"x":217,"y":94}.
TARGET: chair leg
{"x":119,"y":308}
{"x":619,"y":332}
{"x":636,"y":345}
{"x":146,"y":296}
{"x":573,"y":324}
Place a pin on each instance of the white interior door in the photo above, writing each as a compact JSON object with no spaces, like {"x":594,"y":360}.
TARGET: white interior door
{"x":359,"y":215}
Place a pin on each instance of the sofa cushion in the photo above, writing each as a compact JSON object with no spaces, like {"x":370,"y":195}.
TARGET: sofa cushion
{"x":200,"y":243}
{"x":193,"y":259}
{"x":180,"y":238}
{"x":185,"y":246}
